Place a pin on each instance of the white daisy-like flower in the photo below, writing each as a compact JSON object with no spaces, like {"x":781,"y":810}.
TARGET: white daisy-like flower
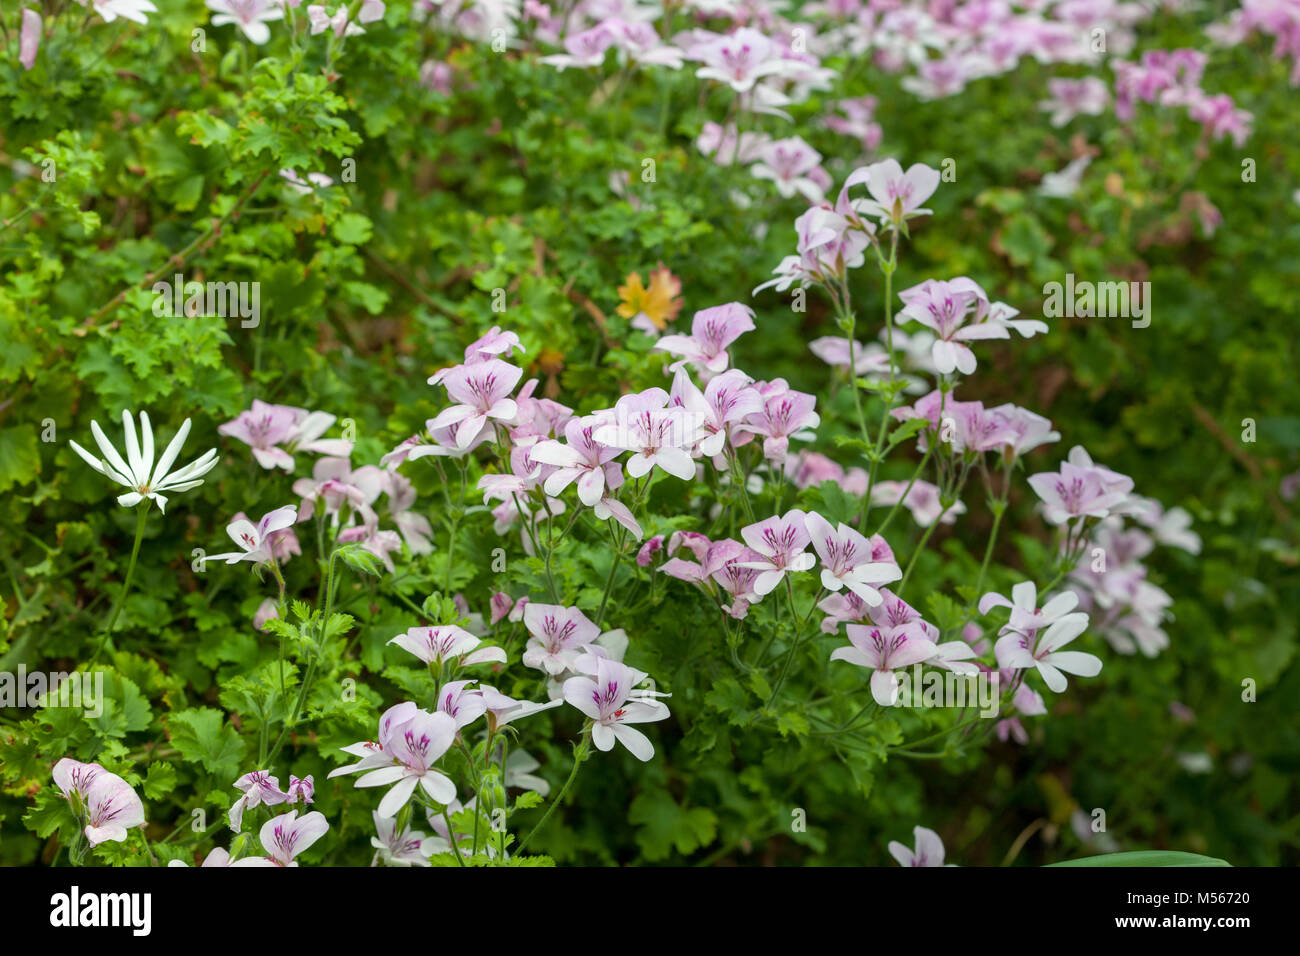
{"x":137,"y":472}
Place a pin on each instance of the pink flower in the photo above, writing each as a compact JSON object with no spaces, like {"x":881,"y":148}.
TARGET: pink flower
{"x":259,"y":789}
{"x":461,"y":702}
{"x":482,"y":391}
{"x":437,"y":645}
{"x":645,"y":557}
{"x":929,"y":850}
{"x":712,"y":331}
{"x":1027,"y":430}
{"x":786,"y":414}
{"x":558,"y":636}
{"x":1070,"y":98}
{"x":257,"y":540}
{"x":251,"y":16}
{"x":857,"y":122}
{"x":795,"y":167}
{"x":502,"y":709}
{"x":407,"y":848}
{"x":288,"y":835}
{"x":739,"y":60}
{"x":102,"y":800}
{"x":500,"y":605}
{"x":1080,"y":489}
{"x":944,"y":308}
{"x":582,"y":459}
{"x":265,"y":427}
{"x":436,"y":77}
{"x":923,"y":501}
{"x":883,"y":650}
{"x":1019,"y":650}
{"x":29,"y":38}
{"x":301,"y":789}
{"x":657,"y":434}
{"x":604,"y":700}
{"x":726,"y":401}
{"x":896,"y":196}
{"x":410,"y":742}
{"x":834,"y":350}
{"x":847,"y":559}
{"x":780,"y":543}
{"x":585,"y":49}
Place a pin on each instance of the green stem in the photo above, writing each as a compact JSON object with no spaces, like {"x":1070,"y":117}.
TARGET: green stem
{"x":142,"y":513}
{"x":579,"y":755}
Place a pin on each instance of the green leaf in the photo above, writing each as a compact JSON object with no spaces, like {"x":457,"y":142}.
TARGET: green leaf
{"x":664,"y":826}
{"x":1146,"y":858}
{"x":200,"y":735}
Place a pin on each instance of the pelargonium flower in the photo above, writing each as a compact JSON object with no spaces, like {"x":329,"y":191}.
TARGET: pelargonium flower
{"x":259,"y":789}
{"x":437,"y":645}
{"x":884,"y":650}
{"x":1080,"y":489}
{"x":786,"y":414}
{"x":923,"y":501}
{"x":483,"y":393}
{"x":133,"y":10}
{"x":29,"y":38}
{"x":137,"y":472}
{"x":582,"y":459}
{"x":286,"y":836}
{"x":604,"y":700}
{"x":503,"y":709}
{"x":265,"y":427}
{"x":643,"y":45}
{"x":780,"y":543}
{"x":558,"y":636}
{"x":896,"y":196}
{"x":585,"y":49}
{"x":795,"y":167}
{"x":321,"y":20}
{"x":1028,"y":430}
{"x":1041,"y":651}
{"x":929,"y":850}
{"x":830,"y":243}
{"x":657,"y":434}
{"x":301,"y":789}
{"x":1070,"y":98}
{"x":835,"y":350}
{"x":945,"y":308}
{"x":407,"y":848}
{"x":726,"y":401}
{"x":847,"y":559}
{"x":251,"y":16}
{"x":1026,"y":615}
{"x":712,"y":331}
{"x":461,"y":702}
{"x":740,"y":60}
{"x":257,"y":540}
{"x":410,"y":742}
{"x":104,"y":801}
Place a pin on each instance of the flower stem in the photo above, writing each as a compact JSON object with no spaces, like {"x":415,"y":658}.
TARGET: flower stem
{"x":142,"y":513}
{"x":579,"y":755}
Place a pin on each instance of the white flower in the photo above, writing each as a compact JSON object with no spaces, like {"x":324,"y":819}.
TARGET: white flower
{"x":133,"y":10}
{"x":251,"y":16}
{"x":137,"y":472}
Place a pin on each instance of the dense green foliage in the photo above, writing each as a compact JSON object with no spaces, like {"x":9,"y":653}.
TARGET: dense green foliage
{"x":168,"y":161}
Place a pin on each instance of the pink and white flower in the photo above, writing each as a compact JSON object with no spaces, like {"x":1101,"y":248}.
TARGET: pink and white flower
{"x":847,"y":559}
{"x":779,"y":543}
{"x":604,"y":700}
{"x":103,"y":801}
